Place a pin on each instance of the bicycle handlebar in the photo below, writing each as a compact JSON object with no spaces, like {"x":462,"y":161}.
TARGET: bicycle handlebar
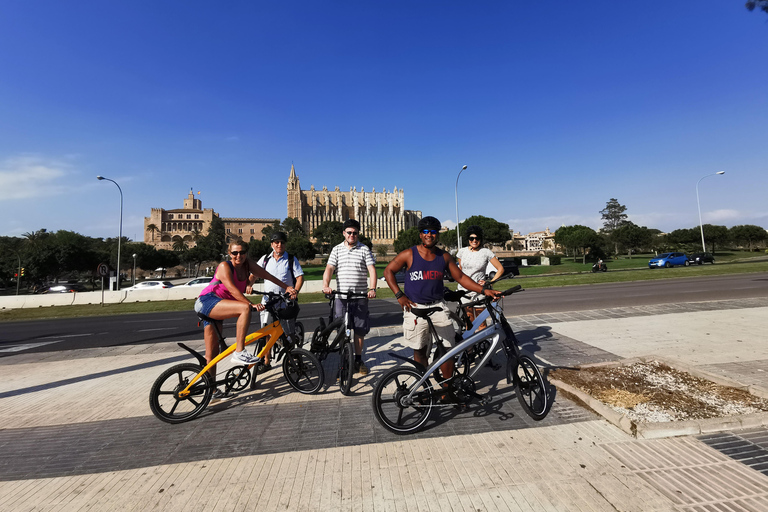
{"x":485,"y":299}
{"x":348,"y":294}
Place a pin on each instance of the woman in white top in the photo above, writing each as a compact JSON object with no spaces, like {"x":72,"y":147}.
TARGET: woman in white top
{"x":473,"y":261}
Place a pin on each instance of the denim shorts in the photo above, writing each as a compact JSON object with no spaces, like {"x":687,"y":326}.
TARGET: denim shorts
{"x":358,"y":311}
{"x":205,"y":303}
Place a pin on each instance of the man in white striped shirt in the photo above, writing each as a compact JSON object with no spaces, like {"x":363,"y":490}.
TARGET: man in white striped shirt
{"x":353,"y":263}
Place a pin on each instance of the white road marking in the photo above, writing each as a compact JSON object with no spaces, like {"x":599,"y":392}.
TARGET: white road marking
{"x":59,"y":337}
{"x":27,"y":346}
{"x":159,"y":329}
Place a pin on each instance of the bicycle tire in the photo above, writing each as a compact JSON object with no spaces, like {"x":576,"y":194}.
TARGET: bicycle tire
{"x":346,"y":368}
{"x":388,"y":405}
{"x":303,"y":371}
{"x":529,"y":385}
{"x":299,"y":333}
{"x":163,"y":399}
{"x":317,"y":344}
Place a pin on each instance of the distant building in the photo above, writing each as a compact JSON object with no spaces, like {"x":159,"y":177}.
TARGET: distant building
{"x":382,"y":215}
{"x":192,"y":221}
{"x":535,"y":242}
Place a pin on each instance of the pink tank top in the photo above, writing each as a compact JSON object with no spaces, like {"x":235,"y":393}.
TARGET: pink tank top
{"x":220,"y":290}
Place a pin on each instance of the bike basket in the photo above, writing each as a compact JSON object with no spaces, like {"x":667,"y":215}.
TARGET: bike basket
{"x":291,"y":310}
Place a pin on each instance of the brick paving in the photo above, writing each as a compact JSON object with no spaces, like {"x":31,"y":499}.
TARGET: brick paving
{"x":77,"y":434}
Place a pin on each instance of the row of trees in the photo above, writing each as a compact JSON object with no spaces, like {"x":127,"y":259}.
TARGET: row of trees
{"x":619,"y":234}
{"x":53,"y":256}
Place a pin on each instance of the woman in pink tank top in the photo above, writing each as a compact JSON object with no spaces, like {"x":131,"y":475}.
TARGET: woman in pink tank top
{"x":225,"y":298}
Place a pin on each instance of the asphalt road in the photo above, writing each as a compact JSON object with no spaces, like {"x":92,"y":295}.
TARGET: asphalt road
{"x":88,"y":332}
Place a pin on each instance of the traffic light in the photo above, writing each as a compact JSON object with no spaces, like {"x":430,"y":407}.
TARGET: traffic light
{"x":15,"y":274}
{"x":22,"y":271}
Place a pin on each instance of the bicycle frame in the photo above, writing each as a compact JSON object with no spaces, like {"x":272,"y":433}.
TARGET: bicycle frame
{"x":273,"y":330}
{"x":496,"y":332}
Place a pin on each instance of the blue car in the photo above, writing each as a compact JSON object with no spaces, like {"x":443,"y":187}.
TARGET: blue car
{"x":669,"y":259}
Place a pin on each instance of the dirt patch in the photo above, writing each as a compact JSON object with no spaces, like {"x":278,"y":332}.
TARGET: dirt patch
{"x":651,"y":392}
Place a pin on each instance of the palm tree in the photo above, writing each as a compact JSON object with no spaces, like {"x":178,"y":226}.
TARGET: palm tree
{"x":179,"y":245}
{"x":152,"y":228}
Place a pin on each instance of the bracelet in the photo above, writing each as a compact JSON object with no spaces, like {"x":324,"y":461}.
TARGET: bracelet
{"x":399,"y":294}
{"x":371,"y":289}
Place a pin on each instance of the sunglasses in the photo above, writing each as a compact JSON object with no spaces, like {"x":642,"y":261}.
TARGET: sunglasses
{"x":239,"y":253}
{"x":351,"y":233}
{"x":278,"y":242}
{"x":429,"y":231}
{"x":473,"y":238}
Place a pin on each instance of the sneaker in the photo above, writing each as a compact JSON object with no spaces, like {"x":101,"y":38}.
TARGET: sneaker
{"x":244,"y":358}
{"x":362,"y":369}
{"x":220,"y":395}
{"x":264,"y":368}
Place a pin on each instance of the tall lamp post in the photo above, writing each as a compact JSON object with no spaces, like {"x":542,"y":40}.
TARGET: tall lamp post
{"x":134,"y":269}
{"x":120,"y":232}
{"x":458,"y":233}
{"x":701,"y":226}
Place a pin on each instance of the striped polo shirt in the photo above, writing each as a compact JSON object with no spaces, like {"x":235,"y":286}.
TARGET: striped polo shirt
{"x":351,"y":266}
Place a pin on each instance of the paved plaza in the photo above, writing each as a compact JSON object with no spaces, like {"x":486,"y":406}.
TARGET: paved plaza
{"x":77,"y":432}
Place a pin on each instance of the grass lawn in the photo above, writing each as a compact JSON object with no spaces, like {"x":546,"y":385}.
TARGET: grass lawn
{"x":566,"y":274}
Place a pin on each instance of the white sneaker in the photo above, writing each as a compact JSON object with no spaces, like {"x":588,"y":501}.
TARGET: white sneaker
{"x":244,"y":358}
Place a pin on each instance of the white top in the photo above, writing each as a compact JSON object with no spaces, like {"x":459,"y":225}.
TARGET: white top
{"x":474,"y":263}
{"x":351,"y":266}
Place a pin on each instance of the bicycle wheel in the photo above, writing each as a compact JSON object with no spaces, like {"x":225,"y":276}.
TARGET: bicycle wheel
{"x":299,"y":332}
{"x":317,"y":344}
{"x":529,"y":386}
{"x":164,"y":400}
{"x":391,"y":405}
{"x":303,"y":371}
{"x":346,"y":367}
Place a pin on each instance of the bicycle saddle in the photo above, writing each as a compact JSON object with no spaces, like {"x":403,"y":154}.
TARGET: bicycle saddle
{"x":425,"y":312}
{"x":205,"y":318}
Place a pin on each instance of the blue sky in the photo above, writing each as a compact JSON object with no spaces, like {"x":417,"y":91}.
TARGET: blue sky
{"x":554,"y":107}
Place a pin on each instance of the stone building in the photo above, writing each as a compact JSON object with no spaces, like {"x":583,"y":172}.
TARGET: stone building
{"x":382,"y":215}
{"x":532,"y":243}
{"x":191,"y":221}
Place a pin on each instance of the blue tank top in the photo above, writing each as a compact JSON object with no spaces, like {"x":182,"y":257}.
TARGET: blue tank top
{"x":424,"y":279}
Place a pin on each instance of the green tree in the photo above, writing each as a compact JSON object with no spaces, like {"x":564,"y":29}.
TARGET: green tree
{"x":748,"y":234}
{"x":448,"y":238}
{"x":578,"y":237}
{"x":293,"y":227}
{"x":327,"y":235}
{"x":715,"y":235}
{"x":494,"y":232}
{"x":632,"y":237}
{"x":406,"y":238}
{"x":179,"y":245}
{"x":300,"y":247}
{"x":613,"y":217}
{"x":684,"y":239}
{"x":258,"y":248}
{"x":759,"y":4}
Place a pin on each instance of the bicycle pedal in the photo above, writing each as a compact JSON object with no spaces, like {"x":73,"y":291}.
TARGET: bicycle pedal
{"x":486,"y":399}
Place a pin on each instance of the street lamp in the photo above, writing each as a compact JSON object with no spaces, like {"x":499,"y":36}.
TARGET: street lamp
{"x":120,"y":232}
{"x":458,"y":233}
{"x":701,"y":226}
{"x":134,"y":269}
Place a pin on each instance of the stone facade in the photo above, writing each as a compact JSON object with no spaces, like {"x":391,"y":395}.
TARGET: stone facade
{"x":537,"y":242}
{"x":191,"y":221}
{"x":382,"y":215}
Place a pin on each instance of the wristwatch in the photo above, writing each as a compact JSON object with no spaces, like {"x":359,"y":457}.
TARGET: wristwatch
{"x":399,"y":294}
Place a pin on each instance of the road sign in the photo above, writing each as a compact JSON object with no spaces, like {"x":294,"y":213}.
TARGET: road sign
{"x":103,"y":270}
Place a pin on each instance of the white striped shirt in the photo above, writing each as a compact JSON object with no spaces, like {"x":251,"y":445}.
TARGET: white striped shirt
{"x":351,"y":266}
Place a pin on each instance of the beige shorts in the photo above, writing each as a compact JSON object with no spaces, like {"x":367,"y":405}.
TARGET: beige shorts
{"x":416,"y":330}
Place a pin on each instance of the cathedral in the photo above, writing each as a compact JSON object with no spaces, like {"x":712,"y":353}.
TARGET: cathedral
{"x":382,"y":215}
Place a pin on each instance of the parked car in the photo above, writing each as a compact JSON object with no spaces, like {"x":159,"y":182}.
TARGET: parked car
{"x":399,"y":277}
{"x":669,"y":259}
{"x":150,"y":285}
{"x":64,"y":288}
{"x":702,"y":257}
{"x":200,"y":282}
{"x":510,"y":269}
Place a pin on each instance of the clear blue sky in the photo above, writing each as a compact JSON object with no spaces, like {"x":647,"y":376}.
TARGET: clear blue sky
{"x":555,"y":107}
